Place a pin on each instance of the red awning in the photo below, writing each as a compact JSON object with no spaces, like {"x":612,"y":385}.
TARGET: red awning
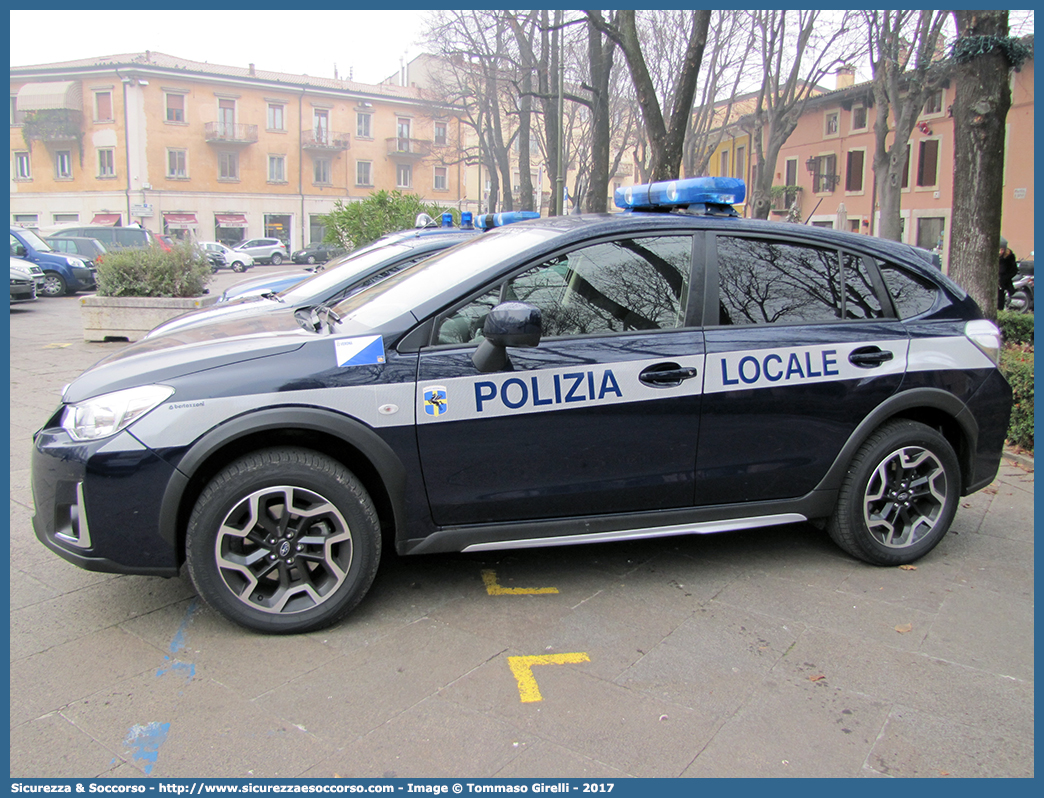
{"x":179,"y":220}
{"x":108,"y":219}
{"x":230,"y":220}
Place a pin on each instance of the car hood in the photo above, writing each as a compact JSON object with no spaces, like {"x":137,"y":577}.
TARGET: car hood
{"x":195,"y":349}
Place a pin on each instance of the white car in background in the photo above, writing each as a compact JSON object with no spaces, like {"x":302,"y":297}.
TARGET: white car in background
{"x":27,"y":280}
{"x":235,"y":259}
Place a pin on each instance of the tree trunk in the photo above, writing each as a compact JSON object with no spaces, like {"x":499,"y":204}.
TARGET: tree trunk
{"x":980,"y":109}
{"x":600,"y":54}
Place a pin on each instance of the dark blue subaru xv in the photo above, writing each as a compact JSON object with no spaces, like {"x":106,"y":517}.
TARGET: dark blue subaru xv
{"x":669,"y":370}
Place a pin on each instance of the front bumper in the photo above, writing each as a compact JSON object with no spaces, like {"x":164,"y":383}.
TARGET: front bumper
{"x":98,"y":503}
{"x":84,"y":277}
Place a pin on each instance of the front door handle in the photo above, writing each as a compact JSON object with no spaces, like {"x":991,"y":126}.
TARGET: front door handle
{"x":665,"y":375}
{"x":868,"y":357}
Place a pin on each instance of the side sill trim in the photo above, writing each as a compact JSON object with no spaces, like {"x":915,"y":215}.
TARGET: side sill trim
{"x":698,"y":528}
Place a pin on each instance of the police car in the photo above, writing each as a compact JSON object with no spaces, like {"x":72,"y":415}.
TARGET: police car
{"x":672,"y":369}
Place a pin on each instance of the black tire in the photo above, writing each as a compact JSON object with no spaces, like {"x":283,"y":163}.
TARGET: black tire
{"x":277,"y":259}
{"x":54,"y":285}
{"x":278,"y":572}
{"x":238,"y":267}
{"x":899,"y":496}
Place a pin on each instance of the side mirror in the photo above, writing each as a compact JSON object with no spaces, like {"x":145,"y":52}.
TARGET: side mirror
{"x":508,"y":324}
{"x":19,"y":250}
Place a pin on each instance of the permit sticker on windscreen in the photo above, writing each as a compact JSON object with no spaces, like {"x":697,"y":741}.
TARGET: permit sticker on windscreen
{"x":367,"y":350}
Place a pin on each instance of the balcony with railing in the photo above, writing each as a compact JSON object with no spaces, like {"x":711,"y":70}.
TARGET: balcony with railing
{"x":227,"y":133}
{"x":325,"y":140}
{"x":408,"y":149}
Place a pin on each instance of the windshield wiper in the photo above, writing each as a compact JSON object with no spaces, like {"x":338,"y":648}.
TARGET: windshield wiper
{"x":272,"y":295}
{"x":316,"y":317}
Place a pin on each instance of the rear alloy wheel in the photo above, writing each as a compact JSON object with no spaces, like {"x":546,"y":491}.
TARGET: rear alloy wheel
{"x":899,"y":497}
{"x":283,"y":541}
{"x":54,"y":284}
{"x":277,"y":259}
{"x":311,"y":258}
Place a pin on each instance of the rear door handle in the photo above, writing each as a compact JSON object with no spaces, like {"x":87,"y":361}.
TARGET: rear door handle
{"x":868,"y":357}
{"x":665,"y":375}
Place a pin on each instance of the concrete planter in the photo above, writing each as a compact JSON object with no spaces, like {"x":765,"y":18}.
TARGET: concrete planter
{"x":130,"y":317}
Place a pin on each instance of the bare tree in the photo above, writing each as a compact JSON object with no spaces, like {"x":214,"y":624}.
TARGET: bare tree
{"x":984,"y":55}
{"x":665,"y":138}
{"x":725,"y":69}
{"x":813,"y":43}
{"x":896,"y":37}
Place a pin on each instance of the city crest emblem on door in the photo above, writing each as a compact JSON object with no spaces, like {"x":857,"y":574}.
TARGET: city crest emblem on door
{"x":435,"y":403}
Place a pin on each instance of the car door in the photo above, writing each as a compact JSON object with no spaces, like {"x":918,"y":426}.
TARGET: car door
{"x":584,"y":423}
{"x":804,"y":346}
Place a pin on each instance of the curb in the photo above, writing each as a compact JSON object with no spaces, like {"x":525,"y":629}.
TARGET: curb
{"x":1025,"y":460}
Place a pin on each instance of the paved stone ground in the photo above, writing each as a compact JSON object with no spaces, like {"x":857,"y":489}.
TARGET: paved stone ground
{"x":764,"y":653}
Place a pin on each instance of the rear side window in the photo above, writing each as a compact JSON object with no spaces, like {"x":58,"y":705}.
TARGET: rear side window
{"x":131,"y":238}
{"x":765,"y":281}
{"x":912,"y":294}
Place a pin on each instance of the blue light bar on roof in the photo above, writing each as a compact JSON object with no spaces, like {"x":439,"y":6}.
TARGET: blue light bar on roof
{"x":465,"y":220}
{"x":682,"y":193}
{"x":490,"y":220}
{"x":447,"y":219}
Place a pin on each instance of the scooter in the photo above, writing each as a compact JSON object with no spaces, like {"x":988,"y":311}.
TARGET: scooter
{"x":1021,"y":300}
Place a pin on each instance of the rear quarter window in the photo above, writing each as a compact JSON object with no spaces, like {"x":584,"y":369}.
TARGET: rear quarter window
{"x":911,"y":293}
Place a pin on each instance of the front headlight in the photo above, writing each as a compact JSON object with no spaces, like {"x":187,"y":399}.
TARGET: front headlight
{"x":106,"y":415}
{"x":73,"y":261}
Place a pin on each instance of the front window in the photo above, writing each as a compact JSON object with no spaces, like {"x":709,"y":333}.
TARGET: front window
{"x":824,"y":178}
{"x":928,"y":163}
{"x":275,"y":117}
{"x":322,"y":171}
{"x":617,"y":286}
{"x":228,"y":166}
{"x":441,"y":178}
{"x":106,"y":163}
{"x":321,"y":126}
{"x":854,"y":171}
{"x":440,"y":132}
{"x":363,"y":173}
{"x":103,"y":106}
{"x":831,"y":123}
{"x":177,"y":163}
{"x":63,"y":164}
{"x":23,"y":166}
{"x":859,"y":117}
{"x":276,"y":168}
{"x":31,"y":238}
{"x":175,"y":107}
{"x":363,"y":128}
{"x":934,"y":103}
{"x":404,"y":175}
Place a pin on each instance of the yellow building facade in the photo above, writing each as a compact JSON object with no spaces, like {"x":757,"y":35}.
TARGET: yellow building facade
{"x":217,"y":153}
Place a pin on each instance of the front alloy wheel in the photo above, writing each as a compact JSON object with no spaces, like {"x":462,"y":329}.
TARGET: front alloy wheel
{"x":900,"y":495}
{"x":283,"y":540}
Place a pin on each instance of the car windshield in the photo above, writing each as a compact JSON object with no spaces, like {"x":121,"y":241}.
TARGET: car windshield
{"x":333,"y":277}
{"x":36,"y":242}
{"x":404,"y":291}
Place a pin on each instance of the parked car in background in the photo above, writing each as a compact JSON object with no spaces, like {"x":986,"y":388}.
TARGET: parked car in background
{"x":63,"y":274}
{"x":166,"y":243}
{"x":90,"y":249}
{"x":350,"y":274}
{"x":234,"y":259}
{"x":318,"y":253}
{"x":264,"y":250}
{"x":26,"y":279}
{"x":111,"y":237}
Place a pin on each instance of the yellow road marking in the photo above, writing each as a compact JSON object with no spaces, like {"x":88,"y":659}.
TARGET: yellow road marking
{"x":490,"y":578}
{"x":522,"y":668}
{"x":56,"y":346}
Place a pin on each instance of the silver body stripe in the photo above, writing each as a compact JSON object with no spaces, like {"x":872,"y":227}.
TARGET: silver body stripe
{"x":699,"y":528}
{"x":177,"y":423}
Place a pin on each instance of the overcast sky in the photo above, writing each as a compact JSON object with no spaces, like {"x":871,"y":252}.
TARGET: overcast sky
{"x":367,"y":44}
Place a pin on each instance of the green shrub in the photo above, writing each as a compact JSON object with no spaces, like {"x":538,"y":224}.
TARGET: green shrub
{"x":1017,"y":328}
{"x":152,"y":271}
{"x":1017,"y":366}
{"x":353,"y":224}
